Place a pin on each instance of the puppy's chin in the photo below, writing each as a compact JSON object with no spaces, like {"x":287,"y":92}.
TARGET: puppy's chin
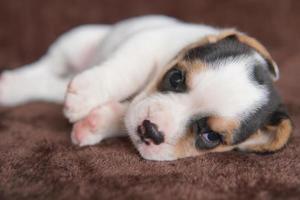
{"x":162,"y":152}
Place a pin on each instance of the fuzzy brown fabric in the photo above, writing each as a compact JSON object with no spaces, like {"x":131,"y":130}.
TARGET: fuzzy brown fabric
{"x":38,"y":161}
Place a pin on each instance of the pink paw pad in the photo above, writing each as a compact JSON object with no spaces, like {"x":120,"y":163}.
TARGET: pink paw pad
{"x":95,"y":123}
{"x":85,"y":127}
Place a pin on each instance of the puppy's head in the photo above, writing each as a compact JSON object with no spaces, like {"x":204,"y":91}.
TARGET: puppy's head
{"x":216,"y":95}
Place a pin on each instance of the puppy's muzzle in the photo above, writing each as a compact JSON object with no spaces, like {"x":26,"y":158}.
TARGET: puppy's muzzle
{"x":149,"y":133}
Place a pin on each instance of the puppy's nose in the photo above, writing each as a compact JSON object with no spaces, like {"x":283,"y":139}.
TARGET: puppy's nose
{"x":149,"y":131}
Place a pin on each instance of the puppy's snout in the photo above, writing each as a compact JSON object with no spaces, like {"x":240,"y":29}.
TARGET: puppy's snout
{"x":149,"y":132}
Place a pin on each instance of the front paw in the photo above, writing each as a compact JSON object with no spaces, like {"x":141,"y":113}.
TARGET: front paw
{"x":102,"y":122}
{"x":85,"y":131}
{"x":83,"y":94}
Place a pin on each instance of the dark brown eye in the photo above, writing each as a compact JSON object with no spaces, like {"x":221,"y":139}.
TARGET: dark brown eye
{"x":211,"y":138}
{"x":174,"y":80}
{"x":205,"y":137}
{"x":208,"y":140}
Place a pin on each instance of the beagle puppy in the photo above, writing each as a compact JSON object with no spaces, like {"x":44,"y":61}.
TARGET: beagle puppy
{"x":177,"y":89}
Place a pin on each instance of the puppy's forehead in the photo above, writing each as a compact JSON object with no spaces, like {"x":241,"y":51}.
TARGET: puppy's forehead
{"x":226,"y":88}
{"x":225,"y":84}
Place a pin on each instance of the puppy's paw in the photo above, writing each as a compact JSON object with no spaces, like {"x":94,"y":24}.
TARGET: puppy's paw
{"x":101,"y":123}
{"x":85,"y":132}
{"x":83,"y":94}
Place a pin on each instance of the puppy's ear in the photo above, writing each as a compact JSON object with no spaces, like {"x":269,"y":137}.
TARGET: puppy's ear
{"x":273,"y":136}
{"x":258,"y":47}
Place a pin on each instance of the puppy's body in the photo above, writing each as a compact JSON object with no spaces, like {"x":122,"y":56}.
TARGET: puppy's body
{"x":225,"y":82}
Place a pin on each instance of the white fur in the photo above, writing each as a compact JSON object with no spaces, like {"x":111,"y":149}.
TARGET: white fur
{"x":119,"y":61}
{"x":47,"y":78}
{"x":227,"y":91}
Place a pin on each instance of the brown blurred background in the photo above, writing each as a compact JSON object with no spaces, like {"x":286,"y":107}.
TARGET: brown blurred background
{"x":28,"y":27}
{"x":37,"y":159}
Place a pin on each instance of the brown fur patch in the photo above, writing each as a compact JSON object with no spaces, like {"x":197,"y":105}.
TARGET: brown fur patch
{"x":255,"y":45}
{"x":223,"y":126}
{"x":191,"y":68}
{"x":222,"y":148}
{"x":186,"y":146}
{"x":278,"y":137}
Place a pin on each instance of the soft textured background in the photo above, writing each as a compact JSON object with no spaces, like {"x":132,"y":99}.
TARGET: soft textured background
{"x":38,"y":161}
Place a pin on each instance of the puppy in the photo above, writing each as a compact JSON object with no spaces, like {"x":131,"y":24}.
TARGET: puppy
{"x":177,"y":89}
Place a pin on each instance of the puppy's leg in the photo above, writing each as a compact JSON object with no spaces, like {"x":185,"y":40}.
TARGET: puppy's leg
{"x":136,"y":61}
{"x":123,"y":74}
{"x":102,"y":122}
{"x":31,"y":82}
{"x":47,"y":78}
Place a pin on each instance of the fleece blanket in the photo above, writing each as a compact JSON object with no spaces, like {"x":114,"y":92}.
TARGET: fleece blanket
{"x":38,"y":161}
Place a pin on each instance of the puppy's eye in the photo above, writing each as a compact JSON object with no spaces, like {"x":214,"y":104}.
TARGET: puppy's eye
{"x":174,"y":80}
{"x":208,"y":140}
{"x":211,"y":138}
{"x":205,"y":137}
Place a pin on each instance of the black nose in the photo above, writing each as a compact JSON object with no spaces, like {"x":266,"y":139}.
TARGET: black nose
{"x":149,"y":131}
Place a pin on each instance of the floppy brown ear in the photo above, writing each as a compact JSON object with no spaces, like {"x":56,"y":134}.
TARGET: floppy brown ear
{"x":253,"y":43}
{"x":271,"y":137}
{"x":245,"y":39}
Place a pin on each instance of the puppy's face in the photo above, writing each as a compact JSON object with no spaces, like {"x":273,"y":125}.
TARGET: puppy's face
{"x":216,"y":95}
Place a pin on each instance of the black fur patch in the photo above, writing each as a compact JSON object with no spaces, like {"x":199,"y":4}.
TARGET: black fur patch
{"x":260,"y":75}
{"x":227,"y":47}
{"x":269,"y":114}
{"x":271,"y":68}
{"x":261,"y":117}
{"x":277,"y":116}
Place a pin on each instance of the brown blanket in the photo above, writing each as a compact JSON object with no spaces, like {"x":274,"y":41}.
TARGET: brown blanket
{"x":37,"y":160}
